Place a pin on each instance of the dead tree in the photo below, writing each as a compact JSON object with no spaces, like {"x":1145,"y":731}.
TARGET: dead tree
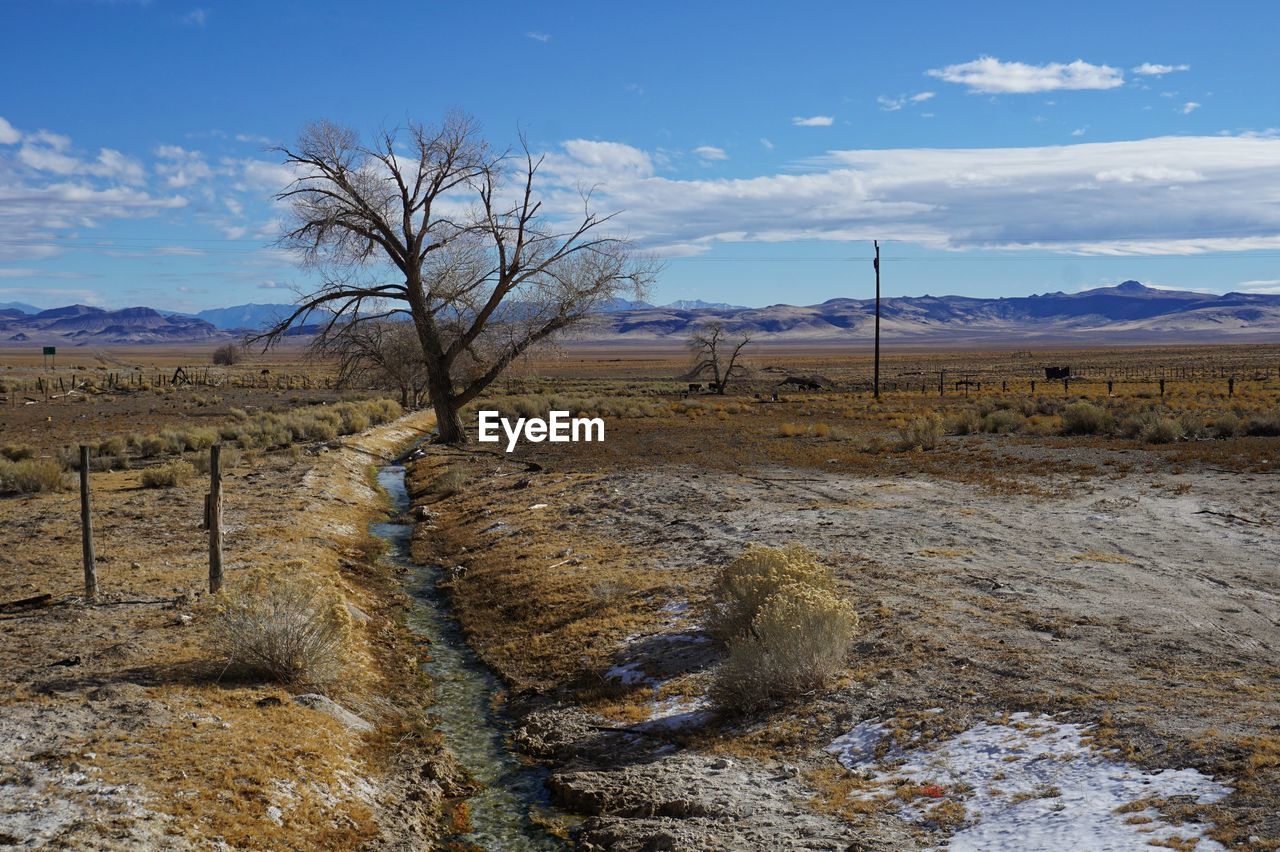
{"x":430,"y":223}
{"x":714,"y":353}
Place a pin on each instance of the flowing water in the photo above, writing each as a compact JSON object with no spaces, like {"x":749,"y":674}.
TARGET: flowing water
{"x":465,"y":688}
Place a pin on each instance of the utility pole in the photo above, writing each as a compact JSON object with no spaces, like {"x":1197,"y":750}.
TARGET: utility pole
{"x":876,"y":263}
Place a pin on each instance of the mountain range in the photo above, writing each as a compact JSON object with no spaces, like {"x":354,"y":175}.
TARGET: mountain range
{"x":1126,"y":313}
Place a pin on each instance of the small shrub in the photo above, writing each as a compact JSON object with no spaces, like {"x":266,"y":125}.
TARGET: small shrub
{"x":922,"y":433}
{"x":230,"y":458}
{"x":797,"y":642}
{"x":1003,"y":422}
{"x":228,"y":354}
{"x":16,"y":452}
{"x":168,"y":475}
{"x":1263,"y":425}
{"x":1161,"y":430}
{"x":152,"y":446}
{"x":287,"y":629}
{"x":33,"y":476}
{"x":1085,"y":418}
{"x":964,"y":423}
{"x":1227,"y":425}
{"x":742,"y":586}
{"x":791,"y":430}
{"x":115,"y":446}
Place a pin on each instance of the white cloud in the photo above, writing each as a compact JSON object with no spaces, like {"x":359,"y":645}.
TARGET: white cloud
{"x":1149,"y":69}
{"x":8,"y":134}
{"x":710,"y":152}
{"x":1266,"y":285}
{"x":766,"y":144}
{"x":993,"y":76}
{"x":1167,"y":195}
{"x":196,"y":18}
{"x":181,"y":167}
{"x":49,"y":152}
{"x":889,"y":104}
{"x":1190,"y":107}
{"x":813,"y":121}
{"x":586,"y":161}
{"x":537,"y":36}
{"x":1079,"y":131}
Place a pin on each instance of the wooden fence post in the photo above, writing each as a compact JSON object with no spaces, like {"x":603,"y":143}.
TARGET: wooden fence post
{"x":86,"y":530}
{"x":215,"y":518}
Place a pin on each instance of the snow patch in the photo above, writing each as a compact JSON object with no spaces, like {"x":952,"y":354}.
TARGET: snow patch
{"x":1031,"y":784}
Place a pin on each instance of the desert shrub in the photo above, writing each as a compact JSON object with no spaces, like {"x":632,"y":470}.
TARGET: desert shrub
{"x":114,"y":446}
{"x":922,"y":433}
{"x":287,"y":629}
{"x":1227,"y":425}
{"x":228,"y":354}
{"x":168,"y":475}
{"x":791,"y":430}
{"x":963,"y":423}
{"x":152,"y":446}
{"x":230,"y":458}
{"x":238,"y":413}
{"x":742,"y":586}
{"x":797,"y":641}
{"x":1161,"y":430}
{"x":33,"y":476}
{"x":17,"y":452}
{"x":1085,"y":418}
{"x":1266,"y":425}
{"x":1003,"y":421}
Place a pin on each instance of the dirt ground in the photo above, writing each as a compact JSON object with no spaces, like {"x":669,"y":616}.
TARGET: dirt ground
{"x":121,"y":726}
{"x":1126,"y":588}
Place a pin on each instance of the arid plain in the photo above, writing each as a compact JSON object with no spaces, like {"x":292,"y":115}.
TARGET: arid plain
{"x":1075,"y":560}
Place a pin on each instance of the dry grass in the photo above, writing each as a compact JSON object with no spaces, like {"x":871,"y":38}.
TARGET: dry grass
{"x":169,"y":475}
{"x":797,"y":641}
{"x":284,"y":627}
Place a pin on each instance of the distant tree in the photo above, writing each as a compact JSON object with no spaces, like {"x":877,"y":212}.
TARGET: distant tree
{"x":382,"y":354}
{"x":228,"y":354}
{"x":430,"y":225}
{"x":714,"y":353}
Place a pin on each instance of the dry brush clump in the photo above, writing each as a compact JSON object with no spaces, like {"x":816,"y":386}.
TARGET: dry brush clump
{"x":786,"y":629}
{"x":285,"y":627}
{"x":168,"y":475}
{"x":920,"y":433}
{"x":32,"y":476}
{"x":1085,"y":418}
{"x":540,"y":405}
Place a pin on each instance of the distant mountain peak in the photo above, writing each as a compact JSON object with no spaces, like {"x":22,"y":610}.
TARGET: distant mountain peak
{"x":1133,"y":287}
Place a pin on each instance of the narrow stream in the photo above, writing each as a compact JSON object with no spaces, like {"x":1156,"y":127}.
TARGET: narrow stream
{"x":473,"y":729}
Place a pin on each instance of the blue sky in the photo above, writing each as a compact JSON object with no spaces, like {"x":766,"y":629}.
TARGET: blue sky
{"x":1026,"y":148}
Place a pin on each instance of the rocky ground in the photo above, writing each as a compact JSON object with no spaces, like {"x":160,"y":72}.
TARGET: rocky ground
{"x":1137,"y":602}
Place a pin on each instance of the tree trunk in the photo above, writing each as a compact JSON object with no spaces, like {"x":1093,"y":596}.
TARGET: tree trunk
{"x":448,"y":418}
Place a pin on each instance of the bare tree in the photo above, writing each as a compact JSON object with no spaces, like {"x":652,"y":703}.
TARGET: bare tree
{"x":228,"y":354}
{"x":377,"y":354}
{"x":428,"y":223}
{"x":715,"y":353}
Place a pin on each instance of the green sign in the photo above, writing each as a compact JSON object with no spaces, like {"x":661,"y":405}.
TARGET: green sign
{"x":51,"y":350}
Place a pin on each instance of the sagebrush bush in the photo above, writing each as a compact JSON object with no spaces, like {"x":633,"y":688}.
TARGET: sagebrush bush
{"x":1003,"y":421}
{"x":963,"y":423}
{"x":797,"y":642}
{"x":922,"y":433}
{"x":17,"y":452}
{"x":1085,"y":418}
{"x":168,"y":475}
{"x":1161,"y":430}
{"x":1264,"y":425}
{"x":230,"y":458}
{"x":742,"y":586}
{"x":1227,"y":425}
{"x":285,"y":628}
{"x":33,"y":476}
{"x":451,"y":481}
